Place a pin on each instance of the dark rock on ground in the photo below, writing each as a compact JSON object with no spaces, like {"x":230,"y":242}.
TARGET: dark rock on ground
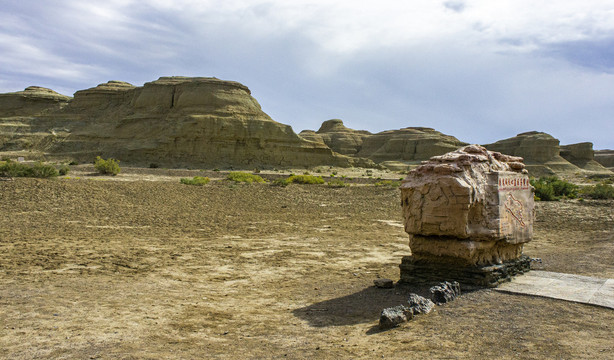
{"x":394,"y":316}
{"x":384,"y":283}
{"x":419,"y":304}
{"x":445,"y":292}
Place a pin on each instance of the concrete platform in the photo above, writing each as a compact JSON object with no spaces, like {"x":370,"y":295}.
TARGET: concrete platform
{"x":576,"y":288}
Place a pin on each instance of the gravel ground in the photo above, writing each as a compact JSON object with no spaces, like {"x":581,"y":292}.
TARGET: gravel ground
{"x":97,"y":267}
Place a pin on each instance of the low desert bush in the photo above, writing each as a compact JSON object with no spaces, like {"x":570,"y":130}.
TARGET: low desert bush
{"x":306,"y":179}
{"x":388,"y":183}
{"x":63,"y":170}
{"x":552,"y":188}
{"x":337,"y":184}
{"x":238,"y":176}
{"x":38,"y":170}
{"x":196,"y":180}
{"x":109,"y":166}
{"x":299,"y":179}
{"x":601,"y":191}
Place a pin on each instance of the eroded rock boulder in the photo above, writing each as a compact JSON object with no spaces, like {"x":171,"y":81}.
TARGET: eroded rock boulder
{"x":468,"y":214}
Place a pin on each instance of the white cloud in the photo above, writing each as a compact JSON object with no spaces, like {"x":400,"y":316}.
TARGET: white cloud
{"x":379,"y":65}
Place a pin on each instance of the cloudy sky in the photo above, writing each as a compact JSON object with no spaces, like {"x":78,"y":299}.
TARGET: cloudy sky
{"x":480,"y":70}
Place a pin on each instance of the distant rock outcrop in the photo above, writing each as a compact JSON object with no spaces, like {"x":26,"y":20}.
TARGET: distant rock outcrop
{"x":410,"y":145}
{"x":583,"y":156}
{"x":395,"y":149}
{"x":173,"y":121}
{"x":605,"y":158}
{"x":31,"y":101}
{"x":540,"y":151}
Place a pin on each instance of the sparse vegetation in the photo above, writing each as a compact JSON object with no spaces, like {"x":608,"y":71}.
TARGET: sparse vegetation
{"x":337,"y":184}
{"x":38,"y":170}
{"x":552,"y":188}
{"x":63,"y":170}
{"x":196,"y":180}
{"x":108,"y":166}
{"x":299,"y":179}
{"x":243,"y":177}
{"x":154,"y":166}
{"x":73,"y":163}
{"x":601,"y":191}
{"x":388,"y":183}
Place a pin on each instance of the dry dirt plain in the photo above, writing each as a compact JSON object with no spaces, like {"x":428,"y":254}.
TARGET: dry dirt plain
{"x":94,"y":268}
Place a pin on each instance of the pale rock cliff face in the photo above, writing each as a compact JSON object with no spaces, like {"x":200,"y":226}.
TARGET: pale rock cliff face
{"x":605,"y":158}
{"x":21,"y":125}
{"x":410,"y":145}
{"x":540,"y":151}
{"x":341,"y":139}
{"x":31,"y":101}
{"x":179,"y":121}
{"x":583,"y":156}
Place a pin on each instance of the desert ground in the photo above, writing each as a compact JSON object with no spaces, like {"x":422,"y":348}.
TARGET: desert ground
{"x":139,"y":266}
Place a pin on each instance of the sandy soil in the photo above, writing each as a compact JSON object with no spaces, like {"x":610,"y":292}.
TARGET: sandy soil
{"x":95,"y":268}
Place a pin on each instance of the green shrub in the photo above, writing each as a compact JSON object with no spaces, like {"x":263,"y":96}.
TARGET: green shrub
{"x":552,"y":188}
{"x":337,"y":184}
{"x":388,"y":183}
{"x":38,"y":170}
{"x":300,"y":179}
{"x":109,"y":166}
{"x":306,"y":179}
{"x":63,"y":170}
{"x":196,"y":180}
{"x":73,"y":163}
{"x":238,"y":176}
{"x":600,"y":191}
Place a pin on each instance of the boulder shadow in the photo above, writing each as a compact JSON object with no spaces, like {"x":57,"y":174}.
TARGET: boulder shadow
{"x":364,"y":306}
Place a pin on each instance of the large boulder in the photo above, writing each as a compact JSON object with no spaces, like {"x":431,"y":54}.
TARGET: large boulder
{"x":468,"y":214}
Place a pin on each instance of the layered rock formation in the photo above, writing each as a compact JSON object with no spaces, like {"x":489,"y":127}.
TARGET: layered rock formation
{"x":21,"y":127}
{"x":31,"y":101}
{"x":583,"y":156}
{"x":544,"y":156}
{"x":540,"y":151}
{"x":466,"y":211}
{"x":410,"y":145}
{"x":395,"y":149}
{"x":177,"y":121}
{"x":605,"y":158}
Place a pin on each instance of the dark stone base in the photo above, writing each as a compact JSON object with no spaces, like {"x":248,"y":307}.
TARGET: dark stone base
{"x":415,"y":271}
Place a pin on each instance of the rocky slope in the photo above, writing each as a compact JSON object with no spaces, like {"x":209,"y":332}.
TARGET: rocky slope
{"x":173,"y":121}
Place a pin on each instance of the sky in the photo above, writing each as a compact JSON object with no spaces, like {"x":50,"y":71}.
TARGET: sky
{"x":480,"y":70}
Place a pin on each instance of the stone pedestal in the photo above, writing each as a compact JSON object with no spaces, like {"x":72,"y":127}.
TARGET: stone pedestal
{"x":468,"y":214}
